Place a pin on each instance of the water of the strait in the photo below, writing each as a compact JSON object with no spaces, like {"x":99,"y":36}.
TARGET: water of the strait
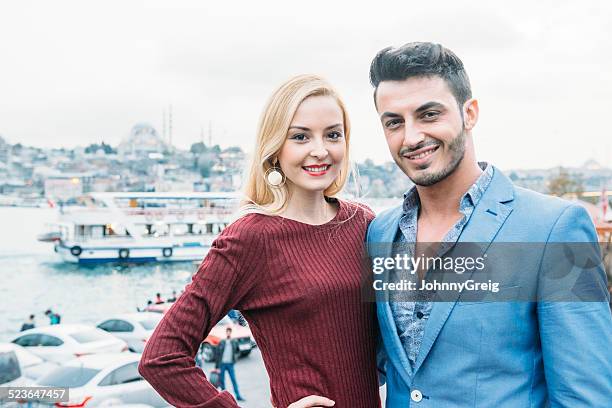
{"x":34,"y":279}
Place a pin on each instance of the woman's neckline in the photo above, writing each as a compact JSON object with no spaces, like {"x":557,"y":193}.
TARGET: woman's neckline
{"x":332,"y":220}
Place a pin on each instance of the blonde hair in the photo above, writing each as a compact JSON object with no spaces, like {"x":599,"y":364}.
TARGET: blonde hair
{"x":272,"y":133}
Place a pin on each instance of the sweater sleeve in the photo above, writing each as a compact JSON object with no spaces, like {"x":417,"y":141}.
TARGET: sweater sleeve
{"x":222,"y":282}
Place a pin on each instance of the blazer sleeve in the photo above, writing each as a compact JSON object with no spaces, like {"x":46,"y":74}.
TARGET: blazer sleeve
{"x":576,"y":334}
{"x":222,"y":282}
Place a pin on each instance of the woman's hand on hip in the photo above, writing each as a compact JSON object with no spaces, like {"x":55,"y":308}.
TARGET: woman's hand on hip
{"x":312,"y":401}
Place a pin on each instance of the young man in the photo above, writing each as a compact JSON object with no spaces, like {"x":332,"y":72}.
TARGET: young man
{"x":525,"y":351}
{"x":54,"y":318}
{"x":30,"y":324}
{"x":226,"y":358}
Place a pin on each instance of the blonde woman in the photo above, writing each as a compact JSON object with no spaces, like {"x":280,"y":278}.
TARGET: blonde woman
{"x":291,"y":265}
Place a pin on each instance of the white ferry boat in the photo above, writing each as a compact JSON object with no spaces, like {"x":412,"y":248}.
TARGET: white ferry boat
{"x":140,"y":227}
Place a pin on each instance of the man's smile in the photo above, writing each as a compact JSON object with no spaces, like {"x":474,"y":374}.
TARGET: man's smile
{"x":422,"y":155}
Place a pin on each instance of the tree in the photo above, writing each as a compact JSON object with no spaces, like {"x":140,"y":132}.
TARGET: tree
{"x":205,"y":164}
{"x":563,"y":184}
{"x":94,"y":147}
{"x":108,"y":148}
{"x":198,"y":148}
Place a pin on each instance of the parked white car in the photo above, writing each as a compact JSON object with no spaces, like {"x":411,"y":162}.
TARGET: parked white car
{"x":63,"y":342}
{"x":10,"y":374}
{"x":32,"y":367}
{"x":10,"y":370}
{"x":101,"y":380}
{"x":133,"y":328}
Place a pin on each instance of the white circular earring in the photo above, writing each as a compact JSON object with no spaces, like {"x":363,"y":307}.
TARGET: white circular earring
{"x":274,"y":177}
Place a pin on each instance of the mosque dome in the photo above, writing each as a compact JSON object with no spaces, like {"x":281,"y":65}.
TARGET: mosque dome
{"x":143,"y":139}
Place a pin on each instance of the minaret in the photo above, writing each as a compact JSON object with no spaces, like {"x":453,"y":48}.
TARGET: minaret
{"x":210,"y":133}
{"x":170,"y":127}
{"x":164,"y":124}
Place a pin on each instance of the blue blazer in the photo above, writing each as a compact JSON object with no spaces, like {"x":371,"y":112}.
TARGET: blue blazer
{"x":504,"y":354}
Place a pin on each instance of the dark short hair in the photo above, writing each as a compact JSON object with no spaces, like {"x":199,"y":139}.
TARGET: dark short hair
{"x":421,"y":59}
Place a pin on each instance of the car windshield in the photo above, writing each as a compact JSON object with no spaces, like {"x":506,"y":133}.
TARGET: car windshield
{"x":149,"y":324}
{"x":68,"y":377}
{"x":9,"y":367}
{"x":89,"y":336}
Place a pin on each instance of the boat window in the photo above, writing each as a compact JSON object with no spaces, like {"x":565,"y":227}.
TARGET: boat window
{"x":180,"y":229}
{"x":141,"y":229}
{"x":199,"y":228}
{"x":114,"y":230}
{"x":97,"y":231}
{"x":159,"y":229}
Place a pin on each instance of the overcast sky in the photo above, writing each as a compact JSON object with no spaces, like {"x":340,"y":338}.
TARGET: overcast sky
{"x":79,"y":72}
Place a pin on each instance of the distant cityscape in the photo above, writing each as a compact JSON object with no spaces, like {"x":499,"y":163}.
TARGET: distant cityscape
{"x":145,"y":161}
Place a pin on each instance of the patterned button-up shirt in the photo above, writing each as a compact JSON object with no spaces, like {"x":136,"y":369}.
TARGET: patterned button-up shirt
{"x":411,"y":316}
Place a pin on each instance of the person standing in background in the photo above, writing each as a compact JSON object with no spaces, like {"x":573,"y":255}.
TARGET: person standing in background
{"x":54,"y":318}
{"x":226,"y":359}
{"x":29,"y":324}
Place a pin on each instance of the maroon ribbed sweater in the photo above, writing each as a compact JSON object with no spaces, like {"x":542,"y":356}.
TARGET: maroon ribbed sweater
{"x":299,"y":287}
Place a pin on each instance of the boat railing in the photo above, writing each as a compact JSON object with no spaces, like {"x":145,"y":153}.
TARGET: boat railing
{"x":81,"y":239}
{"x":85,"y":239}
{"x":154,"y":212}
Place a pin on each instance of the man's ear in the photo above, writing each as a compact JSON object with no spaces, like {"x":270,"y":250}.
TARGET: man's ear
{"x":470,"y":114}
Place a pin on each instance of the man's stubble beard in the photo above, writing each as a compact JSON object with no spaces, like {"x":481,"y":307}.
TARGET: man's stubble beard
{"x":457,"y":151}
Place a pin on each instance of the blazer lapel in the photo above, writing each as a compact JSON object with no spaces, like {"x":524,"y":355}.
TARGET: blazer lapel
{"x":395,"y":351}
{"x":489,"y":215}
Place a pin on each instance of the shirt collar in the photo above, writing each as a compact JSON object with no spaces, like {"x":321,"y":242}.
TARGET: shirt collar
{"x":474,"y":193}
